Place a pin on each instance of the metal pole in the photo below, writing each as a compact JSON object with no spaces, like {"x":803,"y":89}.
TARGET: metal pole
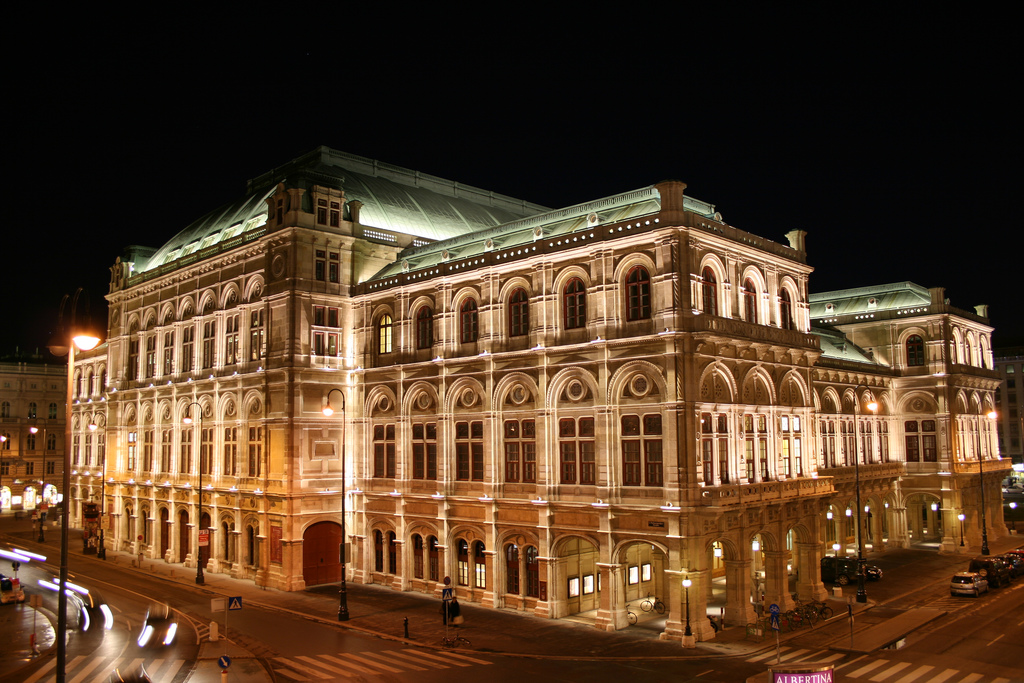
{"x":862,"y":593}
{"x":984,"y":528}
{"x":200,"y":580}
{"x":102,"y":552}
{"x":62,"y":597}
{"x":343,"y":614}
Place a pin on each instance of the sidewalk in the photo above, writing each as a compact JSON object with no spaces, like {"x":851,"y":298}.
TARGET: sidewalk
{"x":383,"y":612}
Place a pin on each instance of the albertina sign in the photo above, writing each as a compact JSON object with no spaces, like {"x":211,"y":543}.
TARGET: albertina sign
{"x":806,"y":673}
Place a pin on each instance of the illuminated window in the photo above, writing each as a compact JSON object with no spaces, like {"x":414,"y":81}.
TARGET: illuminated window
{"x":512,"y":569}
{"x":188,"y":338}
{"x":255,"y":451}
{"x":209,"y":343}
{"x":229,"y":467}
{"x":384,"y":332}
{"x":168,"y":353}
{"x":232,"y":351}
{"x":256,"y":337}
{"x":479,"y":565}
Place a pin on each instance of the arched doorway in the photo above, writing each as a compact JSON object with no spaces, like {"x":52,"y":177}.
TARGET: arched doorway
{"x":924,"y":521}
{"x":321,"y":553}
{"x":184,"y":545}
{"x":165,"y":532}
{"x":204,"y":552}
{"x":577,"y":580}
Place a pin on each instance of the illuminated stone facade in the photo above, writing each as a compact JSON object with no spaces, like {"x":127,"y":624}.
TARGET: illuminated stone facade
{"x":563,"y":410}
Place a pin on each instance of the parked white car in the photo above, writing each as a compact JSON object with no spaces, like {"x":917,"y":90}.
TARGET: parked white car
{"x":967,"y":583}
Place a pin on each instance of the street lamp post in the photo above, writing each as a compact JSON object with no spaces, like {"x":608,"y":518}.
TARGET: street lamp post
{"x":862,"y":592}
{"x":343,"y":590}
{"x":101,"y":552}
{"x":961,"y":518}
{"x":992,"y":415}
{"x":65,"y":343}
{"x":200,"y":580}
{"x":42,"y":484}
{"x":686,"y":592}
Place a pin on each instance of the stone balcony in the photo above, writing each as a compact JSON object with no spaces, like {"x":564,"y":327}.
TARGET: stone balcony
{"x":765,"y":492}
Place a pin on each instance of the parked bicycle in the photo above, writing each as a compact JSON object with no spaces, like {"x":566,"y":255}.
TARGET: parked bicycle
{"x":653,"y":603}
{"x":630,"y":615}
{"x":455,"y":639}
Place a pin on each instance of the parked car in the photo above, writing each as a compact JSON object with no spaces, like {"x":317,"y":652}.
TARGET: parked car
{"x":967,"y":583}
{"x":10,"y":590}
{"x":993,"y":569}
{"x":1016,"y":563}
{"x":843,"y":570}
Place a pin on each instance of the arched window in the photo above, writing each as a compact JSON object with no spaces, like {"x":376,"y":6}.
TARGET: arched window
{"x":417,"y":556}
{"x":434,"y":556}
{"x":479,"y":565}
{"x":378,"y":551}
{"x":462,"y":558}
{"x":915,"y":351}
{"x":468,"y":322}
{"x":638,"y":294}
{"x":749,"y":301}
{"x":574,"y":304}
{"x":785,"y":310}
{"x":710,"y":291}
{"x":512,"y":569}
{"x":392,"y":553}
{"x":424,"y":328}
{"x":385,"y":329}
{"x":518,"y":313}
{"x":532,"y":572}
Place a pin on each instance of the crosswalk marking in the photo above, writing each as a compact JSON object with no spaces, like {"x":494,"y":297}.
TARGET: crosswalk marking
{"x":390,"y":655}
{"x":868,"y":668}
{"x":891,"y":671}
{"x":370,"y":662}
{"x":459,"y":655}
{"x":345,"y":661}
{"x":971,"y":678}
{"x":916,"y":673}
{"x":793,"y":655}
{"x":332,"y":669}
{"x":90,"y":669}
{"x":948,"y":673}
{"x":443,"y":660}
{"x":357,"y":664}
{"x":304,"y":669}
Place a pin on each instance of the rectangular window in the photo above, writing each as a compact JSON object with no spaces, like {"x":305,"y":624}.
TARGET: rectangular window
{"x":231,"y":349}
{"x":520,"y":451}
{"x":333,"y":317}
{"x":469,"y":451}
{"x":256,"y":348}
{"x":51,"y":467}
{"x":255,"y":451}
{"x":384,"y":451}
{"x":206,"y":451}
{"x":147,"y":451}
{"x":319,"y":344}
{"x":150,"y":356}
{"x":168,"y":353}
{"x":424,"y":450}
{"x":165,"y":450}
{"x":209,"y":342}
{"x":641,"y":438}
{"x":230,"y":465}
{"x":335,"y":214}
{"x":133,"y":450}
{"x":320,"y":265}
{"x":333,"y":267}
{"x":188,"y":338}
{"x":577,"y":453}
{"x":133,"y":361}
{"x":321,"y":211}
{"x":88,"y":450}
{"x":185,"y":452}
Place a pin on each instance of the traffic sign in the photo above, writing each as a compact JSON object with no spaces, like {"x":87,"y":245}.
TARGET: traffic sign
{"x":204,"y":538}
{"x":235,"y":602}
{"x":224,"y":661}
{"x":773,"y":609}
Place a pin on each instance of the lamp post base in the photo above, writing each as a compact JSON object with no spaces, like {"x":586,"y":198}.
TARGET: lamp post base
{"x":342,"y":604}
{"x":689,"y":641}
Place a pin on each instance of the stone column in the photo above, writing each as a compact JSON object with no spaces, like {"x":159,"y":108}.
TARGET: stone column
{"x":611,"y":610}
{"x":809,"y":585}
{"x":777,"y":580}
{"x":738,"y":610}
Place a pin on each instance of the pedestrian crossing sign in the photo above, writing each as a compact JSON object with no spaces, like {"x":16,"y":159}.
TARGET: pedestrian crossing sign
{"x":235,"y":602}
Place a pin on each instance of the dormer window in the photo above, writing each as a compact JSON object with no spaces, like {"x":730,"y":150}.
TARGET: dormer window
{"x":872,"y":303}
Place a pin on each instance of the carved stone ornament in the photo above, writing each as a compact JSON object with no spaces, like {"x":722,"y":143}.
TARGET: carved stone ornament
{"x":278,"y":265}
{"x":575,"y":390}
{"x":256,"y":407}
{"x":639,"y":385}
{"x":468,"y":398}
{"x":518,"y":395}
{"x":229,"y":409}
{"x":424,"y":401}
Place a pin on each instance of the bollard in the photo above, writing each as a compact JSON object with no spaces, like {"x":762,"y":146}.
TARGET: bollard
{"x":224,"y":676}
{"x":406,"y":625}
{"x":214,"y":637}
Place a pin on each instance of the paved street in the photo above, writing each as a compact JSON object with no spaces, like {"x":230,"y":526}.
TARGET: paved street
{"x":274,"y":640}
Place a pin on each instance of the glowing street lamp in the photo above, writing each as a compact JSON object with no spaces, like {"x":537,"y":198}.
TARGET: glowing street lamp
{"x":101,"y":553}
{"x":71,"y":336}
{"x":961,"y":518}
{"x":686,"y":591}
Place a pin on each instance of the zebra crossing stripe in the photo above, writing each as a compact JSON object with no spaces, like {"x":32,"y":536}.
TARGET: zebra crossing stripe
{"x":948,"y":673}
{"x":170,"y":673}
{"x":971,"y":678}
{"x":916,"y":673}
{"x":768,"y":654}
{"x":444,"y":660}
{"x":41,"y":672}
{"x":867,"y":669}
{"x":891,"y":671}
{"x":790,"y":656}
{"x":304,"y":669}
{"x":391,"y":654}
{"x":343,"y":659}
{"x":83,"y":672}
{"x":332,"y":669}
{"x":459,"y":655}
{"x":370,"y":662}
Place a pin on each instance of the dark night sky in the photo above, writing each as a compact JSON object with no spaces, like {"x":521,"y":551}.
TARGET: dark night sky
{"x":888,"y":137}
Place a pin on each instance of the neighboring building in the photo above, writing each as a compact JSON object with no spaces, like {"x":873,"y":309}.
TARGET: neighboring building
{"x":32,"y":396}
{"x":1010,"y":404}
{"x":563,"y":410}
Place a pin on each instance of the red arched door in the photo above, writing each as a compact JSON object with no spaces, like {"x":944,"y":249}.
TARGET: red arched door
{"x":321,"y":553}
{"x":165,"y":532}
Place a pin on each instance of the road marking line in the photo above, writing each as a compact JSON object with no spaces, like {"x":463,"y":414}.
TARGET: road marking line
{"x":369,"y":662}
{"x":467,"y":658}
{"x":42,"y":672}
{"x":155,"y":668}
{"x":851,"y":662}
{"x":104,"y":677}
{"x":789,"y":656}
{"x":170,"y":673}
{"x":332,"y":669}
{"x":288,"y":673}
{"x":706,"y":672}
{"x":445,"y":660}
{"x":892,"y":671}
{"x":339,"y":659}
{"x":135,"y":664}
{"x":831,"y":658}
{"x":1001,"y":680}
{"x":971,"y":678}
{"x":389,"y":656}
{"x":995,"y":639}
{"x":916,"y":673}
{"x":771,"y":653}
{"x":303,"y":669}
{"x":87,"y":670}
{"x":404,"y":656}
{"x":870,"y":667}
{"x":948,"y":673}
